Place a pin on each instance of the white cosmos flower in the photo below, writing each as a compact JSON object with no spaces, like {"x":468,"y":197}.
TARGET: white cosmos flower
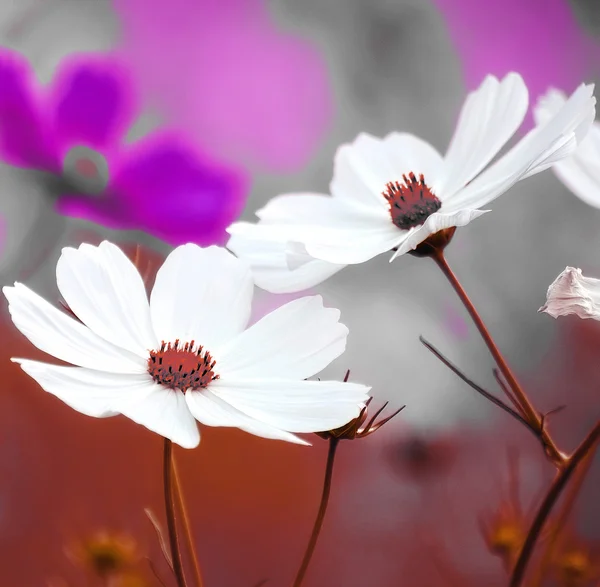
{"x":573,"y":293}
{"x":580,"y":172}
{"x":393,"y":193}
{"x":143,"y":358}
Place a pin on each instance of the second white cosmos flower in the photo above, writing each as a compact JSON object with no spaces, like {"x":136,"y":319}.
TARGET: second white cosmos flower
{"x":391,"y":194}
{"x":186,"y":353}
{"x":580,"y":172}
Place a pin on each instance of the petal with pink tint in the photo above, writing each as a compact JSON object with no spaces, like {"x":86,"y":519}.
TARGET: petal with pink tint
{"x":573,"y":293}
{"x":93,"y":102}
{"x":244,"y":89}
{"x":165,"y":187}
{"x":23,"y":133}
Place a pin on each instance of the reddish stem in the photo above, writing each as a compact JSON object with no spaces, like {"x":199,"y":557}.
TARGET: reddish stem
{"x":529,"y":412}
{"x":170,"y":512}
{"x":561,"y":518}
{"x":333,"y":443}
{"x":559,"y":483}
{"x":186,"y":526}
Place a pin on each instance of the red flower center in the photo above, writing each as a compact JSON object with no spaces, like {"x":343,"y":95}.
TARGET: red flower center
{"x":182,"y":366}
{"x":411,"y":202}
{"x":85,"y":170}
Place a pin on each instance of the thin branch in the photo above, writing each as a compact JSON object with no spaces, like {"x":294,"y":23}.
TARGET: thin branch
{"x":530,"y":414}
{"x":559,"y":483}
{"x":155,"y":571}
{"x":560,"y":520}
{"x":312,"y":543}
{"x":506,"y":390}
{"x":186,"y":526}
{"x":170,"y":511}
{"x":478,"y":388}
{"x":161,"y":537}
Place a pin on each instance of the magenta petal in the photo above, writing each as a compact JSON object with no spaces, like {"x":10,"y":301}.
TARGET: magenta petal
{"x":244,"y":90}
{"x":511,"y":35}
{"x":166,"y":188}
{"x":94,"y":102}
{"x":23,"y":133}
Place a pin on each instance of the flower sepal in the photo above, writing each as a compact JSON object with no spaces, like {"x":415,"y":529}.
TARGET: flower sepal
{"x":356,"y":428}
{"x":434,"y":243}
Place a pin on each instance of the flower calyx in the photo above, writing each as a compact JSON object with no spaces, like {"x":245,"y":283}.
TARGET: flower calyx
{"x":357,"y":428}
{"x":504,"y":532}
{"x":435,"y":243}
{"x":104,"y":553}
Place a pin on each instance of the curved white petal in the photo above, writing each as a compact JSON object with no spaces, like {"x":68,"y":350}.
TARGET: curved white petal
{"x":363,"y":168}
{"x":319,"y":210}
{"x":163,"y":411}
{"x":360,"y":173}
{"x":489,"y":117}
{"x":355,"y":246}
{"x":55,"y":333}
{"x":573,"y":293}
{"x":433,"y":224}
{"x":93,"y":393}
{"x":202,"y":295}
{"x":332,"y":230}
{"x":580,"y":172}
{"x":548,"y":106}
{"x":106,"y":292}
{"x":407,"y":153}
{"x":213,"y":411}
{"x":273,"y":268}
{"x":581,"y":176}
{"x":539,"y":149}
{"x":296,"y":406}
{"x":297,"y":340}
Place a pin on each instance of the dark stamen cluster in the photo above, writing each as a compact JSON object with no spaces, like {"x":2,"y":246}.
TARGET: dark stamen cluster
{"x":411,"y":202}
{"x":182,"y":367}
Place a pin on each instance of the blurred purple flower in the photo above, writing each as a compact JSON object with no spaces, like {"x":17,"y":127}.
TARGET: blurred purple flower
{"x":244,"y":90}
{"x":540,"y":39}
{"x":75,"y":131}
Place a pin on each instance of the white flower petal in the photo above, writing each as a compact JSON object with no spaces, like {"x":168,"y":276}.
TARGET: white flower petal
{"x":548,"y":106}
{"x":433,"y":224}
{"x":106,"y":292}
{"x":59,"y":335}
{"x":407,"y":153}
{"x":580,"y":172}
{"x":490,"y":116}
{"x":273,"y":268}
{"x":297,"y":340}
{"x":213,"y":411}
{"x":296,"y":406}
{"x":93,"y":393}
{"x":319,"y":210}
{"x":355,"y":246}
{"x":539,"y":149}
{"x":202,"y":295}
{"x":333,"y":231}
{"x":363,"y":168}
{"x":360,"y":173}
{"x":163,"y":411}
{"x":581,"y":176}
{"x":573,"y":293}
